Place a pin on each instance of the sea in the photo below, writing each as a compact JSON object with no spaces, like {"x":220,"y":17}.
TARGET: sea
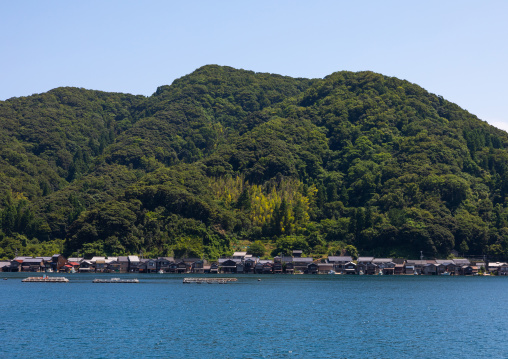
{"x":258,"y":316}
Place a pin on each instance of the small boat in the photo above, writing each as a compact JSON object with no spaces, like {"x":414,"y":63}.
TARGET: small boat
{"x":49,"y":270}
{"x":445,"y":273}
{"x":160,"y":271}
{"x":331,"y":271}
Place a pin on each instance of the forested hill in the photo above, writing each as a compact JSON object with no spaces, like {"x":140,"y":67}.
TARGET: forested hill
{"x":226,"y":159}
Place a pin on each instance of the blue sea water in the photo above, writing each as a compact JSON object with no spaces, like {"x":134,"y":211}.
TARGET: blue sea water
{"x":281,"y":316}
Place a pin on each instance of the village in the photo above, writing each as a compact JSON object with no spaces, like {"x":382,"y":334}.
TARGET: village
{"x":243,"y":263}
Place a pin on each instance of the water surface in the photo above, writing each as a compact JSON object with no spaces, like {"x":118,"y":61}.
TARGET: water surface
{"x":281,"y":316}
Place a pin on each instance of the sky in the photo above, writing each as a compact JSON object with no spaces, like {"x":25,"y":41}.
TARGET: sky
{"x":456,"y":48}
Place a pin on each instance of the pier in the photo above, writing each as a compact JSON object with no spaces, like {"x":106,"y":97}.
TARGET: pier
{"x":209,"y":280}
{"x":46,"y":279}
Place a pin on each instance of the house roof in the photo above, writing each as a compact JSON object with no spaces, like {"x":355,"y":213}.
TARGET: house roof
{"x":74,"y":259}
{"x":413,"y":262}
{"x":46,"y":259}
{"x":303,"y":259}
{"x":239,"y":254}
{"x":382,"y":260}
{"x":365,"y":259}
{"x":444,"y":261}
{"x":461,"y":261}
{"x":340,"y":258}
{"x":32,"y":260}
{"x":133,"y":258}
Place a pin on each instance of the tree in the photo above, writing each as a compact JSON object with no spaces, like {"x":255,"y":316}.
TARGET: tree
{"x":257,"y":249}
{"x":351,"y":250}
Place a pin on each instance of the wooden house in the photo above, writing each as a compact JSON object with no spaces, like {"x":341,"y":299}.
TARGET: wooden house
{"x":57,"y":262}
{"x":312,"y":268}
{"x":133,"y":263}
{"x":249,"y":265}
{"x":240,"y":267}
{"x":100,"y":265}
{"x":325,"y":268}
{"x":350,"y":268}
{"x":383,"y":263}
{"x":228,"y":265}
{"x":277,"y":265}
{"x":214,"y":268}
{"x":467,"y":270}
{"x":86,"y":266}
{"x":371,"y":269}
{"x":5,"y":266}
{"x":113,"y":266}
{"x":147,"y":266}
{"x":502,"y":269}
{"x":123,"y":264}
{"x":268,"y":267}
{"x":417,"y":265}
{"x":32,"y":265}
{"x":409,"y":269}
{"x":182,"y":267}
{"x":48,"y":267}
{"x":430,"y":269}
{"x":163,"y":263}
{"x":301,"y":263}
{"x":398,"y":269}
{"x":339,"y":262}
{"x":199,"y":266}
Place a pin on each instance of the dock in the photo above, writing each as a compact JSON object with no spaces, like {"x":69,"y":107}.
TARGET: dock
{"x":209,"y":280}
{"x":115,"y":280}
{"x":46,"y":279}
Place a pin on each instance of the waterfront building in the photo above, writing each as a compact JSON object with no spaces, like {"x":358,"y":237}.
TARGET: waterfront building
{"x":339,"y":262}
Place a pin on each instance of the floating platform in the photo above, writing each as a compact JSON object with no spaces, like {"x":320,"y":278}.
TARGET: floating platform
{"x":115,"y":280}
{"x":209,"y":280}
{"x":46,"y":279}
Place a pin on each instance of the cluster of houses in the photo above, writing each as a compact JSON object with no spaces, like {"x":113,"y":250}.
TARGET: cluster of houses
{"x":241,"y":262}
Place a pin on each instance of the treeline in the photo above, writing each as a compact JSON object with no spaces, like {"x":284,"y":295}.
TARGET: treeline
{"x":224,"y":159}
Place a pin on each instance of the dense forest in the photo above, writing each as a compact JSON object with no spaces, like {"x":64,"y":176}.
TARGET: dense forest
{"x":226,"y":159}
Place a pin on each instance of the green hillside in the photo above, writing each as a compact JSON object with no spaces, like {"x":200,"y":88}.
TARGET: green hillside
{"x":225,"y":159}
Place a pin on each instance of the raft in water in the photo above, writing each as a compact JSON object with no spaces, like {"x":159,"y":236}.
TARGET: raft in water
{"x":46,"y":279}
{"x":209,"y":280}
{"x":115,"y":280}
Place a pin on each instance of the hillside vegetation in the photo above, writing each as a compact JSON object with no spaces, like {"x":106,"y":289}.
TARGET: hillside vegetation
{"x":223,"y":158}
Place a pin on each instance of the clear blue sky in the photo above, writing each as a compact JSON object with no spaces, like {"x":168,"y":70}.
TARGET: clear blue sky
{"x":457,"y":49}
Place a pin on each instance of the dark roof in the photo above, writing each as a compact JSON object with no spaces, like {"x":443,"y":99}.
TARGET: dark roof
{"x":32,"y":260}
{"x":303,"y":259}
{"x":340,"y":258}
